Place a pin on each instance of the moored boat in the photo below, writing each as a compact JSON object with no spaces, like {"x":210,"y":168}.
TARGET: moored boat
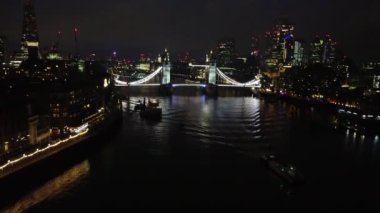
{"x":151,"y":110}
{"x":139,"y":106}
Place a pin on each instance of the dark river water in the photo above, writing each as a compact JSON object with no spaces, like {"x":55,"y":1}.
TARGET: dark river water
{"x":204,"y":154}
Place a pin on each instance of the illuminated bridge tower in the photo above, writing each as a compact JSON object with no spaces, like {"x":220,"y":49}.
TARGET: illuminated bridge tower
{"x":212,"y":74}
{"x":29,"y":39}
{"x":166,"y":73}
{"x":166,"y":67}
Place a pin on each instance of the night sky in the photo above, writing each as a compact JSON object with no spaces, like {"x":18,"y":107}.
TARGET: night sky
{"x":135,"y":26}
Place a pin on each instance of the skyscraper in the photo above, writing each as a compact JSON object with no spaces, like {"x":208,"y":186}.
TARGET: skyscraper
{"x":376,"y":81}
{"x":255,"y":46}
{"x":316,"y":50}
{"x":2,"y":56}
{"x":29,"y":38}
{"x":2,"y":49}
{"x":280,"y":45}
{"x":329,"y":53}
{"x":298,"y":53}
{"x":226,"y":53}
{"x":323,"y":51}
{"x":284,"y":31}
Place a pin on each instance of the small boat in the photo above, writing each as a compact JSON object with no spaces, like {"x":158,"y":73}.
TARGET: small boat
{"x":152,"y":110}
{"x":267,"y":157}
{"x":287,"y":172}
{"x":152,"y":113}
{"x":139,"y":106}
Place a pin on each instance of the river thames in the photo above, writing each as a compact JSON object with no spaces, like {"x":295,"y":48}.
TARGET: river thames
{"x":204,"y":153}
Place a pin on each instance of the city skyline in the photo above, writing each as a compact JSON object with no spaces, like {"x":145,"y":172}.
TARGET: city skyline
{"x":140,"y":103}
{"x":167,"y":24}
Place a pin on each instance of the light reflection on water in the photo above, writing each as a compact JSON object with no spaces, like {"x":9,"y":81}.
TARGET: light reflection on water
{"x":229,"y":121}
{"x":246,"y":125}
{"x":51,"y":189}
{"x":238,"y":122}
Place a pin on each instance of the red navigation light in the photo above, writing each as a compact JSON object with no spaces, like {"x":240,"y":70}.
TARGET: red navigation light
{"x":76,"y":30}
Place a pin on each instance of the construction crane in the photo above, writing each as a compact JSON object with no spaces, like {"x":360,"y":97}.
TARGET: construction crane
{"x":76,"y":51}
{"x":54,"y":50}
{"x":55,"y":47}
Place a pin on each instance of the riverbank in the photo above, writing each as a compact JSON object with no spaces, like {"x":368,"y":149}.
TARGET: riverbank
{"x":358,"y":120}
{"x":53,"y":148}
{"x":304,"y":102}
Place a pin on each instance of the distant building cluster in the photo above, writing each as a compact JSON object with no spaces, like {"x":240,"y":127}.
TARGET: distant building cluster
{"x":48,"y":97}
{"x":279,"y":46}
{"x":286,"y":63}
{"x":281,"y":49}
{"x":371,"y":71}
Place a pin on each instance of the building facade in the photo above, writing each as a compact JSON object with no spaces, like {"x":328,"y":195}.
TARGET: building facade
{"x":226,"y":53}
{"x":29,"y":37}
{"x":323,"y":51}
{"x":299,"y":53}
{"x":280,"y":45}
{"x":3,"y":56}
{"x":2,"y":49}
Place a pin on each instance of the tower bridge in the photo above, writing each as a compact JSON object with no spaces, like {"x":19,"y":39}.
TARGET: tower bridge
{"x":215,"y":77}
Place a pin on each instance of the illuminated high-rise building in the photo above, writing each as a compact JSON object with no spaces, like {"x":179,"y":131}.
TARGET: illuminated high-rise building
{"x":329,"y":53}
{"x":280,"y":45}
{"x":323,"y":51}
{"x":299,"y":50}
{"x":316,"y":50}
{"x":285,"y":40}
{"x":29,"y":38}
{"x":271,"y":54}
{"x":371,"y":70}
{"x":255,"y":46}
{"x":2,"y":56}
{"x":2,"y":50}
{"x":376,"y":81}
{"x":226,"y":53}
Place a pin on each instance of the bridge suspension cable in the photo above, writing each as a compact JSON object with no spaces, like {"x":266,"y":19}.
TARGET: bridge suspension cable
{"x":141,"y":81}
{"x":253,"y":83}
